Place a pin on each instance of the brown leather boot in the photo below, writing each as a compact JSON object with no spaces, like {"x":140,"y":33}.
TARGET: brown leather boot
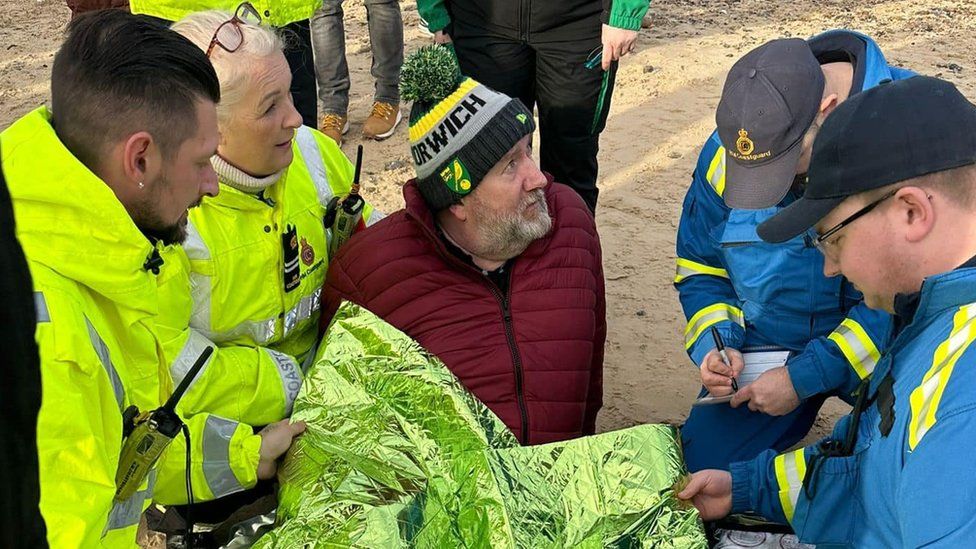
{"x":382,"y":121}
{"x":334,"y":126}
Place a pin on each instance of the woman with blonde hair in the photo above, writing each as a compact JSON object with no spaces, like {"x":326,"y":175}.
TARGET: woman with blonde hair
{"x":248,"y":278}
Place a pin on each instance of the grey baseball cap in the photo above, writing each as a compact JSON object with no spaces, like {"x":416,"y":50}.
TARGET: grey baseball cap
{"x":770,"y":99}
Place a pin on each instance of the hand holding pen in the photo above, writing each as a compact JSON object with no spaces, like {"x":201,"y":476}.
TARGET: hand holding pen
{"x":720,"y":368}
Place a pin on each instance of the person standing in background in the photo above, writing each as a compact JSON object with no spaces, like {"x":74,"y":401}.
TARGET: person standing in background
{"x":332,"y":71}
{"x":547,"y":54}
{"x":289,"y":15}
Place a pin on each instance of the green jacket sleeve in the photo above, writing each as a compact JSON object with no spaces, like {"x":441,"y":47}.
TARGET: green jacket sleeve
{"x":624,"y":14}
{"x":435,"y":13}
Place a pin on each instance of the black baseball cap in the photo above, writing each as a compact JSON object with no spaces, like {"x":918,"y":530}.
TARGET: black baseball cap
{"x":890,"y":133}
{"x":770,"y":99}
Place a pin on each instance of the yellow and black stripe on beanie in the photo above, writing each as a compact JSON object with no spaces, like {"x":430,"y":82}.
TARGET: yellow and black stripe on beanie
{"x":459,"y":129}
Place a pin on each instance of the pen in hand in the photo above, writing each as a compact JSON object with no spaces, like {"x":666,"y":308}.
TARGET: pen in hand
{"x":720,"y":345}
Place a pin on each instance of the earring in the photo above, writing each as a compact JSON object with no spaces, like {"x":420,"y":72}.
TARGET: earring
{"x":141,"y":184}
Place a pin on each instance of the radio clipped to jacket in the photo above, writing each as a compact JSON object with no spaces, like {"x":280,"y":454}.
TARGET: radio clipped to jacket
{"x":342,"y":216}
{"x":147,"y":434}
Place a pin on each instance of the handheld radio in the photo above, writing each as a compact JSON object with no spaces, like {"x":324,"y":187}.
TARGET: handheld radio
{"x":343,"y":216}
{"x":148,"y":434}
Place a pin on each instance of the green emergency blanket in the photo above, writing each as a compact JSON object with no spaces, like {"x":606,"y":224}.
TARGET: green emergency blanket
{"x":398,"y":454}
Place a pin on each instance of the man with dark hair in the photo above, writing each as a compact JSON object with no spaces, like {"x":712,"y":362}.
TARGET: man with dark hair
{"x":756,"y":295}
{"x":890,"y":203}
{"x":21,"y":524}
{"x":96,"y":187}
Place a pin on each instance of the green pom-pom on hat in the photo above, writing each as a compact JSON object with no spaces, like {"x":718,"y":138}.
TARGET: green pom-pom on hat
{"x":429,"y":74}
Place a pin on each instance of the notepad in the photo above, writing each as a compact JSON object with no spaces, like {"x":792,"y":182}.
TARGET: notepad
{"x":756,"y":363}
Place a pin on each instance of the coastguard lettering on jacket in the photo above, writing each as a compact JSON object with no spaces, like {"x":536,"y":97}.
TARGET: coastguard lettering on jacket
{"x":448,"y":128}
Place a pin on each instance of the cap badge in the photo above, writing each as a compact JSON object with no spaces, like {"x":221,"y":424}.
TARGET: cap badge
{"x":744,"y":144}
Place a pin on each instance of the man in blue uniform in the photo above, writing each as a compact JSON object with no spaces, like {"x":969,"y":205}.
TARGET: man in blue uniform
{"x":757,"y":294}
{"x":892,"y":198}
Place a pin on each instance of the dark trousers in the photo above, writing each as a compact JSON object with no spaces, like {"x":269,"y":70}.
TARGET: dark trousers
{"x":716,"y":436}
{"x":573,"y":101}
{"x":21,"y":524}
{"x":302,"y":64}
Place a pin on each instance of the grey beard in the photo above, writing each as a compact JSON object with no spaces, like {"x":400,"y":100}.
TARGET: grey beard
{"x":504,"y":236}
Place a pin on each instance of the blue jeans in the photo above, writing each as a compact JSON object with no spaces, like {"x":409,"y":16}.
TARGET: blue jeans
{"x":329,"y":42}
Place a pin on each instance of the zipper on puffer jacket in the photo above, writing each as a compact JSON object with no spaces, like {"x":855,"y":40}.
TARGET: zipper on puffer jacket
{"x":505,"y":302}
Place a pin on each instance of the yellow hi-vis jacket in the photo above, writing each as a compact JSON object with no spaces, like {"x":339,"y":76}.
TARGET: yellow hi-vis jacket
{"x":96,"y":308}
{"x":277,"y":13}
{"x":226,"y":286}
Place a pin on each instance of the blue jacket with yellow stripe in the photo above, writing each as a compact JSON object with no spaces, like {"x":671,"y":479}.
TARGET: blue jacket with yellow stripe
{"x":907,"y":479}
{"x":760,"y":294}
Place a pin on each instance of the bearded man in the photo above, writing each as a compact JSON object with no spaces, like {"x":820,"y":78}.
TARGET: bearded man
{"x":492,"y":266}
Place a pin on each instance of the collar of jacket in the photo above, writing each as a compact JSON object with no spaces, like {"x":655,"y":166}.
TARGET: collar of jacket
{"x":70,"y":221}
{"x":907,"y":305}
{"x":418,"y":211}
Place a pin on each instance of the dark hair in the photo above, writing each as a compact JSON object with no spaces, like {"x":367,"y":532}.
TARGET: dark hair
{"x":117,"y":74}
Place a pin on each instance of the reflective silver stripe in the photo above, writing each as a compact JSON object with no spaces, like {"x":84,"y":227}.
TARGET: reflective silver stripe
{"x":217,"y":434}
{"x":302,"y":310}
{"x":374,"y":216}
{"x":716,"y":172}
{"x":40,"y":308}
{"x":261,"y":332}
{"x":312,"y":156}
{"x":192,"y":349}
{"x":926,"y":397}
{"x":291,"y":377}
{"x":708,"y":316}
{"x":126,"y":513}
{"x":200,"y":290}
{"x":194,"y":246}
{"x":103,"y":356}
{"x":790,"y":469}
{"x":856,"y":346}
{"x":310,"y":357}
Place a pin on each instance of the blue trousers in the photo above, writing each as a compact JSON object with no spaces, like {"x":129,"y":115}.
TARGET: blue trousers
{"x":718,"y":435}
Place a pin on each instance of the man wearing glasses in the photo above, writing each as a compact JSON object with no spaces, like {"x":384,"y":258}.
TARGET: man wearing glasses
{"x":761,"y":295}
{"x":892,"y":197}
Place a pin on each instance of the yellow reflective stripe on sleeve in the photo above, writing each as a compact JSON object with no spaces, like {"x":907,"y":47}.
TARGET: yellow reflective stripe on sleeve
{"x":861,"y":353}
{"x":716,"y":172}
{"x":925,"y":398}
{"x":687,"y":267}
{"x":708,"y":316}
{"x":790,"y":470}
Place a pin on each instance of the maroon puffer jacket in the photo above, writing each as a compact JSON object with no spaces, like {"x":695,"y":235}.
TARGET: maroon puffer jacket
{"x":534,"y":356}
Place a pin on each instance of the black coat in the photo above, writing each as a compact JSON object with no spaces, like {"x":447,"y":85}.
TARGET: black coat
{"x":21,"y":524}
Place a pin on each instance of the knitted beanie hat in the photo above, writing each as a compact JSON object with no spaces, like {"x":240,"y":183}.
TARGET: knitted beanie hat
{"x":459,"y":129}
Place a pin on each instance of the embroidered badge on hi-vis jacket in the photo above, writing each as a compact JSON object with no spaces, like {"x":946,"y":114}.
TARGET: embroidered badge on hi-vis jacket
{"x":308,"y":253}
{"x":456,"y":177}
{"x":744,"y":145}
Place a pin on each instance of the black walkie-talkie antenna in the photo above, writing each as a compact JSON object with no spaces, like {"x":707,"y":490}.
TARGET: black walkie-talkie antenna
{"x":187,"y":379}
{"x":354,"y":189}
